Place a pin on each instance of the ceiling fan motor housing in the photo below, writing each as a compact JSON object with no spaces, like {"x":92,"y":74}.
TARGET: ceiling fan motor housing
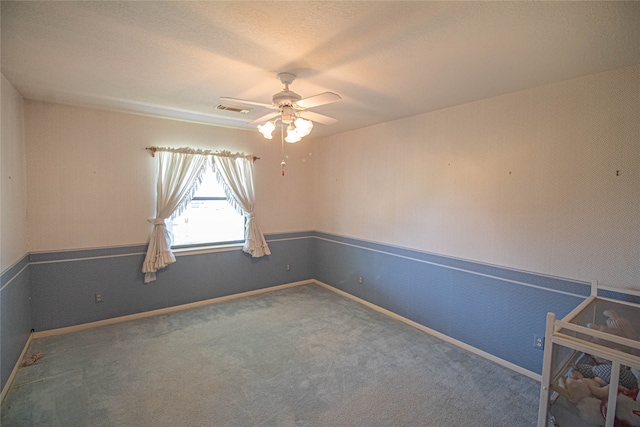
{"x":285,"y":97}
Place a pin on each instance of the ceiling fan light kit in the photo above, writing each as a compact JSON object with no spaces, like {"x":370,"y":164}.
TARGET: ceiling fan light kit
{"x":303,"y":127}
{"x":292,"y":110}
{"x":267,"y":129}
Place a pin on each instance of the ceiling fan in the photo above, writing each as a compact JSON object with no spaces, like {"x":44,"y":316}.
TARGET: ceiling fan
{"x":292,"y":110}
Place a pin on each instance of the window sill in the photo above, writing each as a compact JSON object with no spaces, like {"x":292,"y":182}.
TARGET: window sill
{"x":196,"y":250}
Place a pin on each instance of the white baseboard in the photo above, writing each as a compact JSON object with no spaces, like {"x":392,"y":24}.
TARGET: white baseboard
{"x":167,"y":310}
{"x":114,"y":320}
{"x":12,"y":376}
{"x":436,"y":334}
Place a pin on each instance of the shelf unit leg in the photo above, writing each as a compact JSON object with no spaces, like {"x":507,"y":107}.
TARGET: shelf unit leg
{"x":543,"y":409}
{"x":613,"y":394}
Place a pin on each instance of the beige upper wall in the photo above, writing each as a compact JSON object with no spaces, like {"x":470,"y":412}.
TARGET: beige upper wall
{"x":526,"y":180}
{"x":91,"y":183}
{"x":13,"y":224}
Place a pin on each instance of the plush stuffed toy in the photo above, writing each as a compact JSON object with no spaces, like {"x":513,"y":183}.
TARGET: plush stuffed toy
{"x":577,"y":387}
{"x":619,"y":326}
{"x":591,"y":394}
{"x":627,"y":379}
{"x":602,"y":374}
{"x":594,"y":411}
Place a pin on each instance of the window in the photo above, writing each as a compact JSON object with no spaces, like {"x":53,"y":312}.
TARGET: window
{"x":208,"y":219}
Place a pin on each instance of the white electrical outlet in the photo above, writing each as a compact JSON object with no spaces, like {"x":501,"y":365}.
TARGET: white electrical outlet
{"x":538,"y":342}
{"x":98,"y":297}
{"x":288,"y":267}
{"x":360,"y":280}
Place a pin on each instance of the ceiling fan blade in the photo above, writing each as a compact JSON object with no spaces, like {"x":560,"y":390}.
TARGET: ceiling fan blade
{"x":320,"y":99}
{"x":244,"y":101}
{"x":265,"y":118}
{"x":315,"y":117}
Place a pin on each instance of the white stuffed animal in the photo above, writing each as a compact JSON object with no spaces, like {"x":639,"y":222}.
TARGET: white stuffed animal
{"x":594,"y":410}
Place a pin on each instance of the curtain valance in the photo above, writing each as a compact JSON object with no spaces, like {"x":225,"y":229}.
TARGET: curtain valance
{"x":188,"y":150}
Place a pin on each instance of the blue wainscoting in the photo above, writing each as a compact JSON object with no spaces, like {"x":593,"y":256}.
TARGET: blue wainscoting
{"x":494,"y":309}
{"x":64,"y":284}
{"x":15,"y":316}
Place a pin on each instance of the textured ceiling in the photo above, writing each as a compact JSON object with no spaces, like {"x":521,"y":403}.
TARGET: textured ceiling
{"x":386,"y":59}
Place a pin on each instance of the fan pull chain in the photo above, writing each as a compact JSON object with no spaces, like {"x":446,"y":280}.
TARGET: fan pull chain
{"x":283,"y":163}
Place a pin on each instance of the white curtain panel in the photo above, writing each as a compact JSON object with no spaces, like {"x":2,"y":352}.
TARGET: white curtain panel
{"x":235,"y":173}
{"x":179,"y":174}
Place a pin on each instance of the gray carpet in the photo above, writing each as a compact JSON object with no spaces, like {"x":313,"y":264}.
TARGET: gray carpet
{"x":302,"y":356}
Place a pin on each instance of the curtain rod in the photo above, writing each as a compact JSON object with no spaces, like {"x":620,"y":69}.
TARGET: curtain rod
{"x":154,"y":149}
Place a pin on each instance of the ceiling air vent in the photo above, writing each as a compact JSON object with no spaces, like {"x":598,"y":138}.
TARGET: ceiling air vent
{"x":233,"y":108}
